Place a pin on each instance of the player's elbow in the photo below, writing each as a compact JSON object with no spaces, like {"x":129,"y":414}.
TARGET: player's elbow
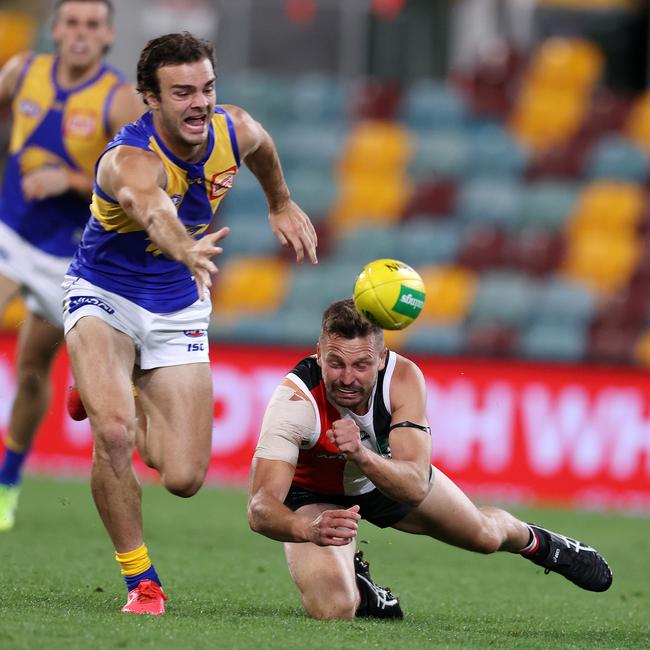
{"x":416,"y":495}
{"x":417,"y":492}
{"x":255,"y":519}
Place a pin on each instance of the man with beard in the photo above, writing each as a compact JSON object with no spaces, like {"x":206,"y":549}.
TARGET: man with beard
{"x":345,"y":437}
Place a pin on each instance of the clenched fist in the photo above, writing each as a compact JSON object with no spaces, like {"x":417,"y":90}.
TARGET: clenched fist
{"x":346,"y":436}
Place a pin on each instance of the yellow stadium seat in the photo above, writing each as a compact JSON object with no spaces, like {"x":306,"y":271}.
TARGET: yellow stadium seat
{"x":250,"y":285}
{"x":17,"y":31}
{"x":637,"y":126}
{"x":572,"y":64}
{"x":545,"y":117}
{"x":13,"y":315}
{"x":450,"y":293}
{"x":607,"y":206}
{"x":370,"y":201}
{"x":377,"y":146}
{"x":604,"y":262}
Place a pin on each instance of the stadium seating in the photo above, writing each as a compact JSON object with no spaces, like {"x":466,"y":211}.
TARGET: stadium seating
{"x":428,"y":105}
{"x":615,"y":157}
{"x":17,"y":31}
{"x":441,"y":154}
{"x":518,"y":189}
{"x":250,"y":286}
{"x":450,"y":293}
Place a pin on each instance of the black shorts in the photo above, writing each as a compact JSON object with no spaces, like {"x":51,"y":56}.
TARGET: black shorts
{"x":374,"y":506}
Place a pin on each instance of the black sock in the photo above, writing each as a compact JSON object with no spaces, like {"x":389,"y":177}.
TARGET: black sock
{"x":541,"y":552}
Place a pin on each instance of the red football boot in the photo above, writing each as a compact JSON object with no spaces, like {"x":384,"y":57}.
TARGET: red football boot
{"x":76,"y":409}
{"x":147,"y":598}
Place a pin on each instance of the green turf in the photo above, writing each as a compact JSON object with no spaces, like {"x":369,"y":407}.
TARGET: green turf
{"x":229,"y":588}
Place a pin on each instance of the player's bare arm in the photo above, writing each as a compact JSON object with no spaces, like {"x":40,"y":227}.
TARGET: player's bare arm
{"x":289,"y":223}
{"x":288,"y":417}
{"x":135,"y":178}
{"x":405,"y":476}
{"x":267,"y":514}
{"x":9,"y":75}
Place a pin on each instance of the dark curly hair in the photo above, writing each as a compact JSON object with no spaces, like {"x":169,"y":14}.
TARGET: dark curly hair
{"x":342,"y":319}
{"x":170,"y":49}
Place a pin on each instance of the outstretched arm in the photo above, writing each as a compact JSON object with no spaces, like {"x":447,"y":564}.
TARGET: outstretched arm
{"x":405,"y":475}
{"x":267,"y":514}
{"x":135,"y":178}
{"x":288,"y":222}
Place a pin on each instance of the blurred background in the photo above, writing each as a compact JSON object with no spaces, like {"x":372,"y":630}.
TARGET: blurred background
{"x":500,"y":148}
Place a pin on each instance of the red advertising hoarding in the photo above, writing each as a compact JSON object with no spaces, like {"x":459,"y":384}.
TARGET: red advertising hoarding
{"x":508,"y":431}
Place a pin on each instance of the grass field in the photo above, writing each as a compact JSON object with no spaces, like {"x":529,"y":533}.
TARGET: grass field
{"x":229,"y":588}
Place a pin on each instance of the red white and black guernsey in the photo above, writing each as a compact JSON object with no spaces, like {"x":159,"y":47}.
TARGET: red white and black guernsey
{"x":320,"y":467}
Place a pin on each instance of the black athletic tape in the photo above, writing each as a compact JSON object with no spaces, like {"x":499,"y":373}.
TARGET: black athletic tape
{"x":410,"y":425}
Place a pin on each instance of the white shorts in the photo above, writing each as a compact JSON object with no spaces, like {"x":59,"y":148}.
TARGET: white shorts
{"x":160,"y":339}
{"x":39,"y":274}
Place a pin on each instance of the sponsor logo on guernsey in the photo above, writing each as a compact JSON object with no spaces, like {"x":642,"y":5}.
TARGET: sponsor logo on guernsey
{"x":76,"y":302}
{"x":80,"y":123}
{"x":409,"y":302}
{"x":194,"y":334}
{"x":331,"y":456}
{"x":29,"y":108}
{"x":221,"y":182}
{"x":364,"y":435}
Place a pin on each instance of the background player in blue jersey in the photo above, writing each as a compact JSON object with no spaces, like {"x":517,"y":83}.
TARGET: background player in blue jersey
{"x":345,"y":437}
{"x":137,"y":297}
{"x":65,"y":107}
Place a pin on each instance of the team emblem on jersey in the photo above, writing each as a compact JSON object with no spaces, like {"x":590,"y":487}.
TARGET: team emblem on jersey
{"x":29,"y":108}
{"x":80,"y":123}
{"x":221,"y":182}
{"x":193,"y":334}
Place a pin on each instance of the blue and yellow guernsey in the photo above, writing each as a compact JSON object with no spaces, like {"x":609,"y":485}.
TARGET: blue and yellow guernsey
{"x":116,"y":253}
{"x":52,"y":127}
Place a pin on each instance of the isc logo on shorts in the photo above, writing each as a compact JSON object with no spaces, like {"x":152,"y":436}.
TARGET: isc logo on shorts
{"x":76,"y":302}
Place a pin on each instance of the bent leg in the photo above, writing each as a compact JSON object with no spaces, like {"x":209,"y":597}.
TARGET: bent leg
{"x":102,"y":360}
{"x":38,"y":343}
{"x":324,"y":574}
{"x":177,"y":404}
{"x":447,"y":514}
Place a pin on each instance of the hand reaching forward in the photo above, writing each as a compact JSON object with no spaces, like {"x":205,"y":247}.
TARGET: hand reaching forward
{"x":198,"y":259}
{"x":335,"y":527}
{"x":293,"y":228}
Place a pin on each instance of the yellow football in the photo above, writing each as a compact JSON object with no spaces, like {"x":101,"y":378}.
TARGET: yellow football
{"x":389,"y":293}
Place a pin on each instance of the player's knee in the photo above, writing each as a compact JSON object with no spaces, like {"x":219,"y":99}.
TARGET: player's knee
{"x":32,"y":381}
{"x":114,"y":441}
{"x":183,"y":483}
{"x":342,"y":606}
